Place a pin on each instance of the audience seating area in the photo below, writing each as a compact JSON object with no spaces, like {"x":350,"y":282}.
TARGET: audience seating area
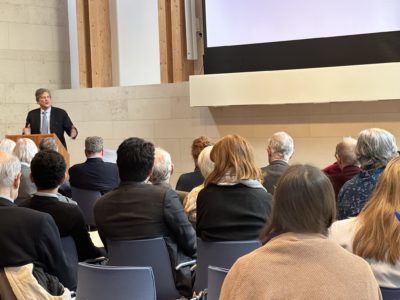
{"x":150,"y":252}
{"x":219,"y":254}
{"x":108,"y":282}
{"x":86,"y":200}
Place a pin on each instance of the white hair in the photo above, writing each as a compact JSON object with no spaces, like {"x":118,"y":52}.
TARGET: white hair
{"x":281,"y":146}
{"x":206,"y":165}
{"x":25,"y":150}
{"x":7,"y":145}
{"x":162,"y":167}
{"x":375,"y":148}
{"x":10,"y":167}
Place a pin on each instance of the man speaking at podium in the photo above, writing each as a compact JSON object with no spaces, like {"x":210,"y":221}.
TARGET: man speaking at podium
{"x":48,"y":119}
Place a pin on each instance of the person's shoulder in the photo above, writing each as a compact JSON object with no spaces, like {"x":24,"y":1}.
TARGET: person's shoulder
{"x":28,"y":215}
{"x":36,"y":110}
{"x":58,"y":110}
{"x":76,"y":167}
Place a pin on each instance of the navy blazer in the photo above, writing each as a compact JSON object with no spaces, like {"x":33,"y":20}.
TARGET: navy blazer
{"x":29,"y":236}
{"x":95,"y":175}
{"x":59,"y":122}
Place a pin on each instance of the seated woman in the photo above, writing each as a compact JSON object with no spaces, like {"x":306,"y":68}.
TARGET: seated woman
{"x":233,"y":204}
{"x":206,"y":165}
{"x":375,"y":233}
{"x":297,"y":260}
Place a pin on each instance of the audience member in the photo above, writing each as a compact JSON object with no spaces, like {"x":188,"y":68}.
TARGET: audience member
{"x":280,"y":149}
{"x":347,"y":160}
{"x":188,"y":181}
{"x":375,"y":148}
{"x":332,"y":169}
{"x":94,"y":174}
{"x":28,"y":236}
{"x":64,"y":191}
{"x":297,"y":261}
{"x":233,"y":204}
{"x":48,"y":144}
{"x":48,"y":172}
{"x":206,"y":166}
{"x":25,"y":149}
{"x":7,"y":145}
{"x":136,"y":210}
{"x":162,"y":171}
{"x":375,"y":233}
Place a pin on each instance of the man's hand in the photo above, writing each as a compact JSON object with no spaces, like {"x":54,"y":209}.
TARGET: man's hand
{"x":27,"y":130}
{"x":74,"y":132}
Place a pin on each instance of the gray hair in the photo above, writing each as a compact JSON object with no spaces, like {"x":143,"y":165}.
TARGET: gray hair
{"x":25,"y":149}
{"x":162,"y":167}
{"x":10,"y":167}
{"x":206,"y":165}
{"x":48,"y":144}
{"x":281,"y":146}
{"x":7,"y":145}
{"x":93,"y":144}
{"x":375,"y":148}
{"x":345,"y":150}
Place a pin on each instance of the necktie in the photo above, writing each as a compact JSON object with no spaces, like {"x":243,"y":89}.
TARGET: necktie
{"x":45,"y":124}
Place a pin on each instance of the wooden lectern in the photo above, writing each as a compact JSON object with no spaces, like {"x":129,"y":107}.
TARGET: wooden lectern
{"x":37,"y":139}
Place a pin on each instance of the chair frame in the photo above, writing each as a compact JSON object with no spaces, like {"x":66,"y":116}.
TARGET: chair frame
{"x":221,"y":254}
{"x":115,"y":282}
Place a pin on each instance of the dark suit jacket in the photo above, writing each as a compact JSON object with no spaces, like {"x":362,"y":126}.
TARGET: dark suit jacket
{"x":188,"y":181}
{"x":69,"y":220}
{"x":29,"y":236}
{"x":232,"y":212}
{"x":59,"y":122}
{"x":272,"y":173}
{"x":95,"y":175}
{"x":140,"y":211}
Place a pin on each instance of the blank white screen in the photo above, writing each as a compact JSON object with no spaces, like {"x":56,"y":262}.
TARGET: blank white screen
{"x":238,"y":22}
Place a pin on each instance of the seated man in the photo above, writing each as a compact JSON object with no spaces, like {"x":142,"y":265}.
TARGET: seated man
{"x":162,"y":171}
{"x":28,"y":236}
{"x":280,"y":149}
{"x":347,"y":160}
{"x":136,"y":210}
{"x":48,"y":172}
{"x":94,"y":174}
{"x":64,"y":191}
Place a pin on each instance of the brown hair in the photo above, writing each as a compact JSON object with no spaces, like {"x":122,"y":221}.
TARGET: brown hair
{"x":377,"y":234}
{"x":198,"y":145}
{"x":40,"y":92}
{"x":233,"y":154}
{"x":304,"y":202}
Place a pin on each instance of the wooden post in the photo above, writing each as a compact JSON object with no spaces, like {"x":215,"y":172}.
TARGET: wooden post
{"x":94,"y":43}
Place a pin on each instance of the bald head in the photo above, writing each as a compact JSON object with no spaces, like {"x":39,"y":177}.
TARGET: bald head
{"x":345,"y":152}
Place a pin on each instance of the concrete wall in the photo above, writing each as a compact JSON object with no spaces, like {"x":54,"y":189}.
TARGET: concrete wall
{"x":161,"y":114}
{"x":34,"y":53}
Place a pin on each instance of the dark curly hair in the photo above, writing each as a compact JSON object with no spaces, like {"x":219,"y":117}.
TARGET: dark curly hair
{"x":135,"y":159}
{"x":48,"y":169}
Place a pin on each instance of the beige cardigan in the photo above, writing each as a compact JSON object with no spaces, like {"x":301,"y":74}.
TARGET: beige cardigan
{"x":300,"y":266}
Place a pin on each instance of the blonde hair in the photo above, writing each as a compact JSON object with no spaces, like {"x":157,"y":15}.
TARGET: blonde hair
{"x":377,"y":233}
{"x":233,"y":155}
